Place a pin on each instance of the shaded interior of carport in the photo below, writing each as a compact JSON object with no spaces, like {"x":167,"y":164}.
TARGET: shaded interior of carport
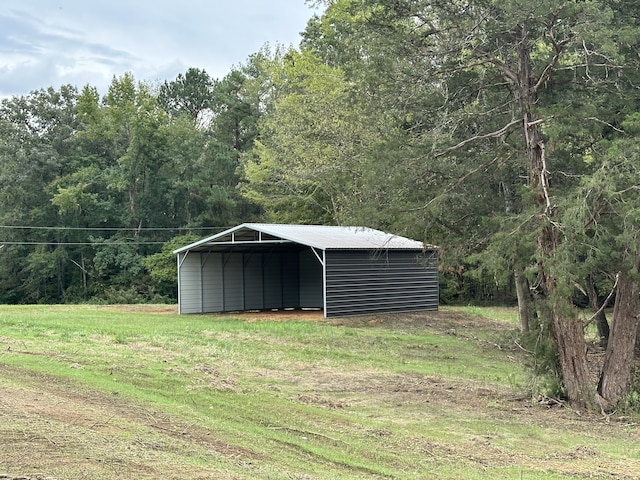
{"x":251,"y":272}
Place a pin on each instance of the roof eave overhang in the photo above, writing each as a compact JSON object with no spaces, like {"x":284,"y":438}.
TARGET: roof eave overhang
{"x":228,"y":246}
{"x":201,"y":245}
{"x":209,"y":243}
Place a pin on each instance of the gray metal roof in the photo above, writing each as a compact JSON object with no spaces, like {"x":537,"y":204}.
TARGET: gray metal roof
{"x":316,"y":236}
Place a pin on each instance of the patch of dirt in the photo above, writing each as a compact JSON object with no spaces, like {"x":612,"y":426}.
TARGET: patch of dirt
{"x":257,"y":315}
{"x":309,"y":315}
{"x":447,"y":321}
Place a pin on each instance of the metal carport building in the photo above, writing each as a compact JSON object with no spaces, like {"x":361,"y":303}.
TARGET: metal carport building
{"x":342,"y":270}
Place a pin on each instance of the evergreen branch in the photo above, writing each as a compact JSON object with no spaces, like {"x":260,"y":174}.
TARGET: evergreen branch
{"x":497,"y":133}
{"x":606,"y":123}
{"x":451,"y":186}
{"x":546,"y":73}
{"x":622,"y":192}
{"x":507,"y":72}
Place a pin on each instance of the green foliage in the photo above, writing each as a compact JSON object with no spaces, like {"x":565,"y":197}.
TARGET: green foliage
{"x":189,"y":94}
{"x":126,"y":295}
{"x":162,"y":265}
{"x":235,"y":110}
{"x":630,"y":403}
{"x":542,"y":359}
{"x":83,"y":178}
{"x":310,"y":163}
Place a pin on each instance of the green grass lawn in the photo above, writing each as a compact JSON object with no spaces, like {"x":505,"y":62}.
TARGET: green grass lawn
{"x":96,"y":392}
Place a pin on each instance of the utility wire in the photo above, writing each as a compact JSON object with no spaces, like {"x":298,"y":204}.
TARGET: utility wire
{"x":110,"y":229}
{"x":97,"y":229}
{"x":81,"y":243}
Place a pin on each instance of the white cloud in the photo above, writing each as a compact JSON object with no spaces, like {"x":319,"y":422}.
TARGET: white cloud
{"x":47,"y":43}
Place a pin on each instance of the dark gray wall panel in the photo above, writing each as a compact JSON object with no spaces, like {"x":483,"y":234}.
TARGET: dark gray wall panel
{"x":311,"y":294}
{"x":363,"y":282}
{"x":253,"y":281}
{"x":272,"y":269}
{"x":212,"y":291}
{"x":290,"y":280}
{"x":233,"y":282}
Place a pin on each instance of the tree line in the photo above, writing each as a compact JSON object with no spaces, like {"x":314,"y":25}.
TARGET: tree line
{"x":504,"y":132}
{"x":92,"y":188}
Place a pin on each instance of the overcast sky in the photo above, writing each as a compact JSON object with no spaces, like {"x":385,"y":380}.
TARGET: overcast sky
{"x":47,"y":43}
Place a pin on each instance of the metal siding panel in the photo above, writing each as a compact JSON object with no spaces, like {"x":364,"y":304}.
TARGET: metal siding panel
{"x":364,"y":282}
{"x":233,"y":282}
{"x":212,"y":289}
{"x":272,"y":274}
{"x":290,"y":280}
{"x":190,"y":284}
{"x":310,"y":280}
{"x":253,"y":282}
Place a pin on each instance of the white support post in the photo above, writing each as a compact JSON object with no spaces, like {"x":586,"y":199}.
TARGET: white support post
{"x":324,"y":283}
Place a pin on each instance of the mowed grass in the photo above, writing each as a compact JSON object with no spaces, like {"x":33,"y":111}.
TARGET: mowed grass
{"x":94,"y":392}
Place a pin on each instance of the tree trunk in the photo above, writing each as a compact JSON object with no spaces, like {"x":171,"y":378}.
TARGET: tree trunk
{"x":572,"y":355}
{"x":601,"y":317}
{"x":525,"y":304}
{"x":616,"y":371}
{"x":567,"y":329}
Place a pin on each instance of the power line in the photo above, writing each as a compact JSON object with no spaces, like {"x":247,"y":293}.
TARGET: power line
{"x":109,"y":229}
{"x":97,"y":229}
{"x":80,"y":243}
